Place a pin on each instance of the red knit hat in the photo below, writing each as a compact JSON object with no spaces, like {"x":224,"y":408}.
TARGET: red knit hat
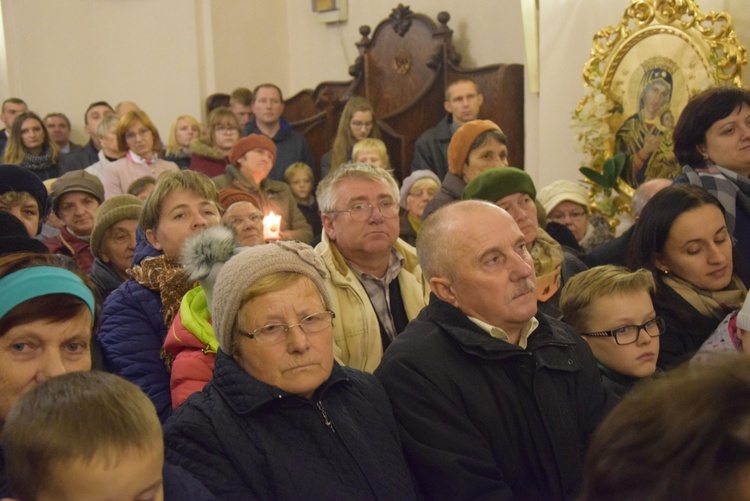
{"x":229,"y":196}
{"x":251,"y":142}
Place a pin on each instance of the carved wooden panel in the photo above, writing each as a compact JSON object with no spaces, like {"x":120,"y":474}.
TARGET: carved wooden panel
{"x":403,"y":71}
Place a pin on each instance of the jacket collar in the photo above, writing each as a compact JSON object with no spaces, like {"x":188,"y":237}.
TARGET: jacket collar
{"x":477,"y":342}
{"x":246,"y":395}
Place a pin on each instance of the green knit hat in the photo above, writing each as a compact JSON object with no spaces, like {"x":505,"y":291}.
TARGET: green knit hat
{"x":111,"y":212}
{"x":499,"y":182}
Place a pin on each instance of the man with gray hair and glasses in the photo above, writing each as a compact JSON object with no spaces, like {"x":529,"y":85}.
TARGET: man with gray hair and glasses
{"x":376,"y":283}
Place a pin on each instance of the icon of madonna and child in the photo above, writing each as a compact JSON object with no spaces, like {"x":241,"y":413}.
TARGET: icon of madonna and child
{"x":646,"y":137}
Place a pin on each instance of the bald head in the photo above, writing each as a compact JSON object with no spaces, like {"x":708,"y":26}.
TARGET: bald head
{"x":645,"y":192}
{"x":440,"y":237}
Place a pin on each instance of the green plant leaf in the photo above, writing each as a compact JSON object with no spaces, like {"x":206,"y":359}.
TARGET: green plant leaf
{"x":595,"y":176}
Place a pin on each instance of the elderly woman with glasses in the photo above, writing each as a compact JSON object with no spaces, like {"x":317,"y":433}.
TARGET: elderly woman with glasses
{"x":281,"y":419}
{"x":567,"y":203}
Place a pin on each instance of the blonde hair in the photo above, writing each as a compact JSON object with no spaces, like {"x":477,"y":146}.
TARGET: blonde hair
{"x":173,"y":148}
{"x":371,"y":144}
{"x":127,"y":121}
{"x":297,"y":168}
{"x":168,"y":182}
{"x":586,"y":287}
{"x":81,"y":416}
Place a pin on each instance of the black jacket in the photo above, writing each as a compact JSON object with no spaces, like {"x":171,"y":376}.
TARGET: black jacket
{"x":79,"y":159}
{"x":247,"y":440}
{"x":431,"y":148}
{"x":481,"y":418}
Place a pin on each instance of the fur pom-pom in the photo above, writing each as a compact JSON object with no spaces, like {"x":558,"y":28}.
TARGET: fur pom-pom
{"x":210,"y":247}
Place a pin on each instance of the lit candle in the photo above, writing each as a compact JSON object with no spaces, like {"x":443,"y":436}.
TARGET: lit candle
{"x":271,"y":226}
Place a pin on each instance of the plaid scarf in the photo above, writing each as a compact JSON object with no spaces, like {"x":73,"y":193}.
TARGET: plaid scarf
{"x":731,"y":189}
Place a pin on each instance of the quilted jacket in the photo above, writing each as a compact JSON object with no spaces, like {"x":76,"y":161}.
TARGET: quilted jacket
{"x":132,"y":334}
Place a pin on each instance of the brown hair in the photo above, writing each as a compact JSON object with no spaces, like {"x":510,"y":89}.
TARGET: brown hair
{"x":681,"y":436}
{"x":80,"y":416}
{"x":344,"y":140}
{"x":189,"y":180}
{"x":15,"y":151}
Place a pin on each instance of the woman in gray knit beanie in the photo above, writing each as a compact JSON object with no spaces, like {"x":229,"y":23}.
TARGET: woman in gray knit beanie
{"x":281,"y":419}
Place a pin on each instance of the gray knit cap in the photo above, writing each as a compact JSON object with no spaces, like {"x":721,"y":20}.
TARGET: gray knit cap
{"x":111,"y":212}
{"x":252,"y":264}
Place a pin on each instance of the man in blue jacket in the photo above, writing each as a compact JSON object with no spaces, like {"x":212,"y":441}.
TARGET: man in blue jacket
{"x":291,"y":146}
{"x":493,"y":400}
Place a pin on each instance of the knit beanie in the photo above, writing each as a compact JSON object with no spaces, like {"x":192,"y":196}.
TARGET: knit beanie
{"x":250,"y":143}
{"x":499,"y":182}
{"x":561,"y":191}
{"x":111,"y":212}
{"x":229,"y":196}
{"x":413,"y":178}
{"x":22,"y":180}
{"x":743,"y":317}
{"x":458,"y":149}
{"x":251,"y":265}
{"x":76,"y":180}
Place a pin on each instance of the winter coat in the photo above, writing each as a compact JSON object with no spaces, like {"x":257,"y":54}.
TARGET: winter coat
{"x":191,"y":347}
{"x":80,"y":158}
{"x":274,"y":196}
{"x":246,"y":440}
{"x":356,"y":332}
{"x":431,"y":148}
{"x":481,"y":418}
{"x":291,"y":146}
{"x":132,"y":334}
{"x":67,"y":244}
{"x":104,"y":278}
{"x":206,"y":159}
{"x":687,"y":329}
{"x":451,"y":189}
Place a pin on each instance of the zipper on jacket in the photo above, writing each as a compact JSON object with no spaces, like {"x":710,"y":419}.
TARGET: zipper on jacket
{"x":326,"y":420}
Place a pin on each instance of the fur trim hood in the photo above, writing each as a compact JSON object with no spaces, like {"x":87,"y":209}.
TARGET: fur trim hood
{"x":204,"y":255}
{"x":200,"y":146}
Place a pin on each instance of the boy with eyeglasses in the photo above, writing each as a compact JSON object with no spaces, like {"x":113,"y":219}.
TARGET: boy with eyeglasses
{"x":611,"y":308}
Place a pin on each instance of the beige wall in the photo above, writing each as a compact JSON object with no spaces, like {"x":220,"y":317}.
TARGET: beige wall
{"x":168,"y":55}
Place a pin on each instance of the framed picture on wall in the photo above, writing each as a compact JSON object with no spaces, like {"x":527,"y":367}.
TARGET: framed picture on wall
{"x":641,"y":75}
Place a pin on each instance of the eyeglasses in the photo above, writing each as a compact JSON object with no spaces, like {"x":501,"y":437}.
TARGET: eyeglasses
{"x":276,"y":333}
{"x":628,"y":334}
{"x":430,"y":193}
{"x":361,"y":125}
{"x":225,"y":128}
{"x":142,"y":133}
{"x":363,"y":212}
{"x":575,"y":216}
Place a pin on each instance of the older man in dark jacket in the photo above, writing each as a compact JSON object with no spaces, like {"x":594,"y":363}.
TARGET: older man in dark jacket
{"x":493,"y":400}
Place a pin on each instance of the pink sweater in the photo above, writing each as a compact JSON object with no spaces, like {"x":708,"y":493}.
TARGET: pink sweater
{"x":119,"y":174}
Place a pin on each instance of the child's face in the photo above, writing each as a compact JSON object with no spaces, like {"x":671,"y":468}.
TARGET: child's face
{"x":619,"y":310}
{"x":371,"y":157}
{"x":301,"y":185}
{"x":135,"y":475}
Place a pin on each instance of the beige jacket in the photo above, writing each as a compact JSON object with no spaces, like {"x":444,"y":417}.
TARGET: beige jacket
{"x":356,"y":332}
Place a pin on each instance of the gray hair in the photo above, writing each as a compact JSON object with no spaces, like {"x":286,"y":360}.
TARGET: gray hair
{"x":102,"y":128}
{"x":326,"y":192}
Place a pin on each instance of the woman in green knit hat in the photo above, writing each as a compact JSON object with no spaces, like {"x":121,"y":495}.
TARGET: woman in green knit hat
{"x":512,"y":189}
